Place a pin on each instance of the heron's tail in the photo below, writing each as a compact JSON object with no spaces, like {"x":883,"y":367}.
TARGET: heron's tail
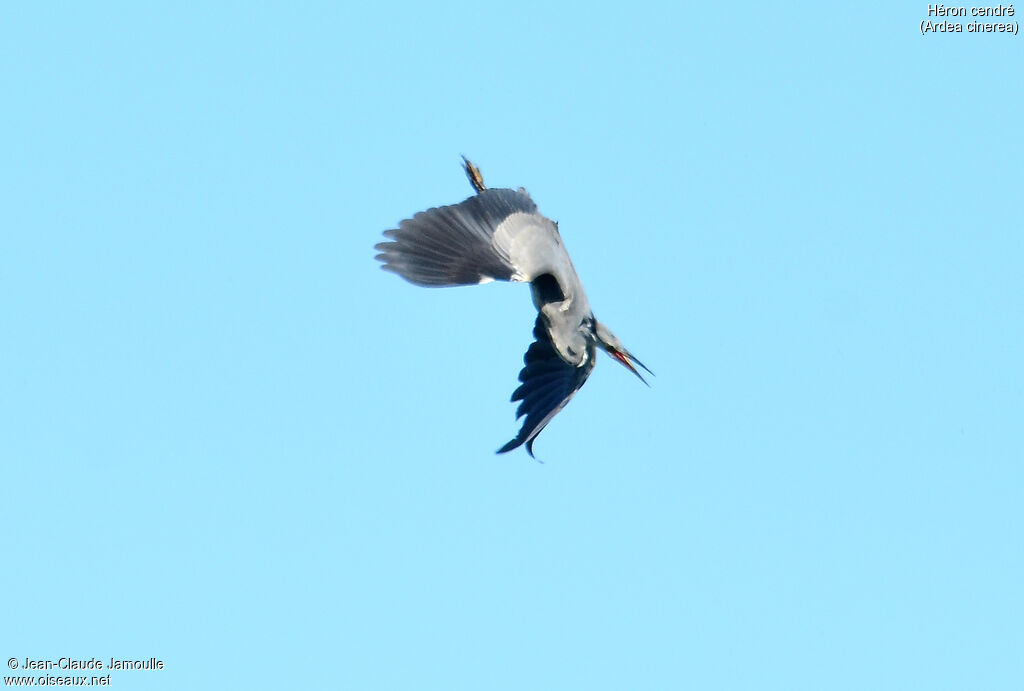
{"x":453,"y":245}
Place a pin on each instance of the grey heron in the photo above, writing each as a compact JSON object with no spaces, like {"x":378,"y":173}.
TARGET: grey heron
{"x":498,"y":234}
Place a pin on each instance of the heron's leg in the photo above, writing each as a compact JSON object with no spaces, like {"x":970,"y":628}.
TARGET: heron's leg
{"x":476,"y":178}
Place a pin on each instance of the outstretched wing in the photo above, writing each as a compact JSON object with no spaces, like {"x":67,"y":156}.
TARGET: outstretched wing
{"x":548,"y":384}
{"x":466,"y":243}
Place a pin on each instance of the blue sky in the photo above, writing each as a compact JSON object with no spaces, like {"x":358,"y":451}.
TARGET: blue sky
{"x":232,"y":443}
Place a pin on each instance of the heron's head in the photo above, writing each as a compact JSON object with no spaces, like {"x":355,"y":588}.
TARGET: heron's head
{"x":613,"y":346}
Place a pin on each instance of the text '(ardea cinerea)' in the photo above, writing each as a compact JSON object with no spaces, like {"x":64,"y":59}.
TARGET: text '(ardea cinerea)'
{"x":498,"y":234}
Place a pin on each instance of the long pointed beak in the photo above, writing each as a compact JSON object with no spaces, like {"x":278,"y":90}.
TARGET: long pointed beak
{"x":627,"y":359}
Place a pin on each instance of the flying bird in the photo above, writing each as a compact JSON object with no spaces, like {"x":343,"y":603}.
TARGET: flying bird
{"x":498,"y":235}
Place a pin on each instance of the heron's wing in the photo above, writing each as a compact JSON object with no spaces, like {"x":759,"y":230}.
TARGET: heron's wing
{"x":475,"y":241}
{"x":548,"y":384}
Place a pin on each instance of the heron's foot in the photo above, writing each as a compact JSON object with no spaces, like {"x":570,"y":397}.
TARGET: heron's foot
{"x":476,"y":178}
